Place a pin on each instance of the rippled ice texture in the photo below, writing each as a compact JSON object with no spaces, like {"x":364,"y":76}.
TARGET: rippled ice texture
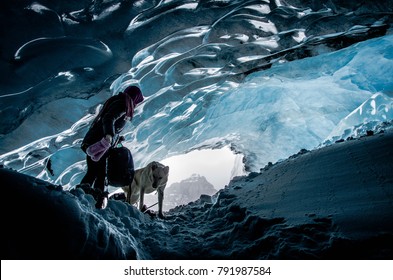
{"x":266,"y":78}
{"x":274,"y":113}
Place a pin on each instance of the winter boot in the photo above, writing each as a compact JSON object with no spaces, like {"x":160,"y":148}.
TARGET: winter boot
{"x":102,"y":200}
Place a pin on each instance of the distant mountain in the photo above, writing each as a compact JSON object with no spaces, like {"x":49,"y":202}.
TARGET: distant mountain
{"x":187,"y":190}
{"x":184,"y":192}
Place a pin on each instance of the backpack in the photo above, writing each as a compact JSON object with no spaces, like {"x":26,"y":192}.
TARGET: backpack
{"x":120,"y":167}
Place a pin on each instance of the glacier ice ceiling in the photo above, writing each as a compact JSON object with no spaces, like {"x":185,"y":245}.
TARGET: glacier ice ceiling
{"x":266,"y":78}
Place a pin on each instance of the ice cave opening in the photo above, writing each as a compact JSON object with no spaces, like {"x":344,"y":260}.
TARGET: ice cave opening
{"x":196,"y":173}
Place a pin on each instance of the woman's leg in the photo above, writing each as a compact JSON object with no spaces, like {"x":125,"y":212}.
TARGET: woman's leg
{"x":92,"y":172}
{"x":100,"y":174}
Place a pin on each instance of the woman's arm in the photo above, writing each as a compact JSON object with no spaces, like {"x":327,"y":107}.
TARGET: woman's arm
{"x":114,"y":112}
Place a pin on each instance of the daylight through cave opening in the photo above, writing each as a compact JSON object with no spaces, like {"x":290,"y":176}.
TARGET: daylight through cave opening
{"x":196,"y":173}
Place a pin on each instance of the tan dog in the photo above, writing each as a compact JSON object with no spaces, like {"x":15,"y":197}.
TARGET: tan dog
{"x":151,"y":178}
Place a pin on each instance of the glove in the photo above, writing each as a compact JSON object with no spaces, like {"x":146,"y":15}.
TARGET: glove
{"x":97,"y":150}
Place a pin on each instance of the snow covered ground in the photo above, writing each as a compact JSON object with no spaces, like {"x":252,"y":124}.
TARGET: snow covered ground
{"x":330,"y":203}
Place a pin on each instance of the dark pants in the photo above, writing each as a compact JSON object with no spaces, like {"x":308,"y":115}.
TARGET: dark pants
{"x":96,"y":173}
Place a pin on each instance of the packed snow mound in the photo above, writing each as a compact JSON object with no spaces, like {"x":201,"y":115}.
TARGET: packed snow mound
{"x":330,"y":203}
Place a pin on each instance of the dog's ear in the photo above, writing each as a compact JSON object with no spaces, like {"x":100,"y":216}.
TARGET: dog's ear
{"x":154,"y":165}
{"x":166,"y":169}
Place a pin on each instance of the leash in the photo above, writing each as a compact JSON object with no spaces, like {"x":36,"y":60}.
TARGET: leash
{"x":150,"y":207}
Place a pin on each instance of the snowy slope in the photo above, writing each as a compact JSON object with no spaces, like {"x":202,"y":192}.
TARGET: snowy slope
{"x":331,"y":203}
